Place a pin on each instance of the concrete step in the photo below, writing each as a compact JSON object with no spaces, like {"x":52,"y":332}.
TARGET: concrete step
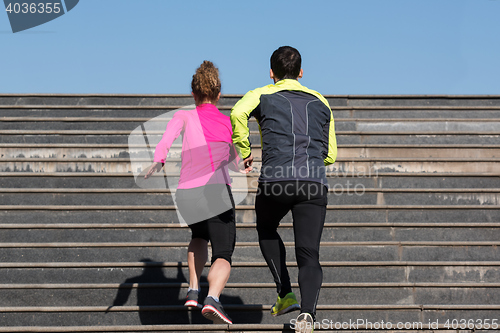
{"x":419,"y":151}
{"x":254,"y":272}
{"x":420,"y":138}
{"x":136,"y":289}
{"x":336,"y":181}
{"x":179,"y":99}
{"x":344,"y":151}
{"x":338,"y":195}
{"x":367,"y":166}
{"x":410,"y":165}
{"x":247,"y":314}
{"x":360,"y":111}
{"x":393,"y":125}
{"x":76,"y":124}
{"x":335,"y":213}
{"x":100,"y":100}
{"x":343,"y":137}
{"x":244,"y":328}
{"x":249,"y":251}
{"x":92,"y":114}
{"x":339,"y":112}
{"x":355,"y":124}
{"x":415,"y":100}
{"x":24,"y":113}
{"x":246,"y":232}
{"x":415,"y":112}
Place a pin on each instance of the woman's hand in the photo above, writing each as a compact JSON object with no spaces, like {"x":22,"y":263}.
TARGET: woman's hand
{"x":155,"y":167}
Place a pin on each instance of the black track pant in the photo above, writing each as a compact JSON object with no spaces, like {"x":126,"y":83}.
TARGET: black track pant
{"x":307,"y":201}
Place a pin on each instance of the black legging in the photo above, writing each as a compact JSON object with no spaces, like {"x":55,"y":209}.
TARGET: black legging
{"x":209,"y":212}
{"x":307,"y":201}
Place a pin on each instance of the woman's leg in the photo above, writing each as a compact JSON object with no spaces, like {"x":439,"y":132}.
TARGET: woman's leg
{"x":218,"y":276}
{"x":197,"y":257}
{"x":187,"y":202}
{"x":222,"y":231}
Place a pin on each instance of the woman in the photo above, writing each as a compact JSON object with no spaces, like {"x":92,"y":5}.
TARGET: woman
{"x":203,"y":196}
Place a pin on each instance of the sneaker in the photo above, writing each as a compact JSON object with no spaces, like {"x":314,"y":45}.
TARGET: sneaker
{"x":213,"y":310}
{"x":192,"y":298}
{"x":304,"y":323}
{"x":286,"y":304}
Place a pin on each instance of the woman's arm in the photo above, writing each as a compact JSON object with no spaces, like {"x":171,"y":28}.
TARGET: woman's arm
{"x":172,"y":132}
{"x":174,"y":129}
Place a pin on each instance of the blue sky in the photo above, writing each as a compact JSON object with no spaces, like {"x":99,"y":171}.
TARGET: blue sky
{"x":347,"y":46}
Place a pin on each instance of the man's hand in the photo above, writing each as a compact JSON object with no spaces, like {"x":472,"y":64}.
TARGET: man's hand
{"x":246,"y":164}
{"x":155,"y":167}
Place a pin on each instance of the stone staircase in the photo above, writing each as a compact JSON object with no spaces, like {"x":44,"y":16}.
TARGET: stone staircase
{"x":411,"y":235}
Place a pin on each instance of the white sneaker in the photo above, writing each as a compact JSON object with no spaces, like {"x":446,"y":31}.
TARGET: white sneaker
{"x":304,"y":323}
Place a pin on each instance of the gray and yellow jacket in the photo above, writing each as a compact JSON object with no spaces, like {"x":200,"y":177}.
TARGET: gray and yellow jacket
{"x":296,"y":127}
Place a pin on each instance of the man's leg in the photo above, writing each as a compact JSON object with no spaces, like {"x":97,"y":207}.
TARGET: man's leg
{"x":270,"y":207}
{"x":308,"y":220}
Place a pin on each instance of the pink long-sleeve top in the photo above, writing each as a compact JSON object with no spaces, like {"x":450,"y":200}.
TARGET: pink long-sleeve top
{"x":207,"y":148}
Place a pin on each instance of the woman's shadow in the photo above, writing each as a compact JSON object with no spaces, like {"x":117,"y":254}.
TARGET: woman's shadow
{"x":160,"y":300}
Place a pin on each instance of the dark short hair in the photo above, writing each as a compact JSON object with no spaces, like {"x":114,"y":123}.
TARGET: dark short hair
{"x":286,"y":63}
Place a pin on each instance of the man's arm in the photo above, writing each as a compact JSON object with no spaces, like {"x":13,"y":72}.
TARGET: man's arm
{"x":332,"y":139}
{"x":239,"y":121}
{"x":236,"y":163}
{"x":332,"y":143}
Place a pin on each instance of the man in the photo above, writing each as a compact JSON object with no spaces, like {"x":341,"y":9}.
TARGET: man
{"x":298,"y":141}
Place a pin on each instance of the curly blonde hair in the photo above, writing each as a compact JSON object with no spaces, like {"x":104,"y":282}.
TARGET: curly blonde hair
{"x":206,"y":83}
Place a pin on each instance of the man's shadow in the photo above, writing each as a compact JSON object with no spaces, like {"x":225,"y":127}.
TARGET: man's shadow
{"x":160,"y":300}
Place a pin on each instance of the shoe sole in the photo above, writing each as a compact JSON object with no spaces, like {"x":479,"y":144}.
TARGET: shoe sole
{"x":291,"y":308}
{"x":191,"y":303}
{"x":214,"y":315}
{"x":304,"y":326}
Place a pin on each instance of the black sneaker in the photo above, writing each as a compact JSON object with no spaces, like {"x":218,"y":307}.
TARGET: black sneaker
{"x":192,"y":298}
{"x":213,"y":310}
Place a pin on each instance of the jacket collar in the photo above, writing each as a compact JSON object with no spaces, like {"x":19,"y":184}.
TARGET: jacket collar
{"x":288,"y":83}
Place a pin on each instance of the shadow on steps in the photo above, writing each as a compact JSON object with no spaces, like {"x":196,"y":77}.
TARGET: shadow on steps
{"x":152,"y":299}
